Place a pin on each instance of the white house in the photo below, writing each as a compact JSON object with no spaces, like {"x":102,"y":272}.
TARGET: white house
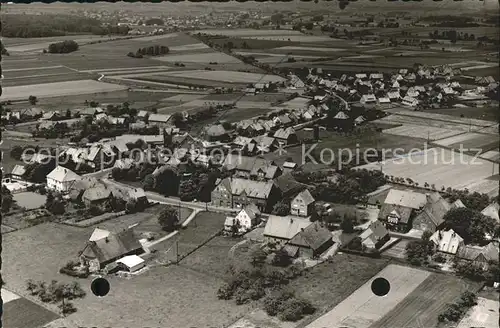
{"x":131,"y":263}
{"x":409,"y":101}
{"x":61,"y":179}
{"x":245,"y":220}
{"x":368,"y":99}
{"x":447,"y":241}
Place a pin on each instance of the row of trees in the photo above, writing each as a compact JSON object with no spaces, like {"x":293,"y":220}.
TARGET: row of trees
{"x":63,"y":47}
{"x":455,"y":311}
{"x":56,"y":292}
{"x":155,"y":50}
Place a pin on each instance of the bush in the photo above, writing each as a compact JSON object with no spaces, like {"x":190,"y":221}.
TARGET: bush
{"x":63,"y":47}
{"x":439,"y":258}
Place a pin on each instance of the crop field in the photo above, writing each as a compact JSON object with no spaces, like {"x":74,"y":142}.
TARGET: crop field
{"x":58,"y":89}
{"x":422,"y":132}
{"x":227,"y":76}
{"x":247,"y":32}
{"x":470,"y":140}
{"x":362,"y":308}
{"x":423,"y":305}
{"x":315,"y":49}
{"x":292,"y":38}
{"x":443,"y":167}
{"x":37,"y":44}
{"x":189,"y":47}
{"x":41,"y":79}
{"x":493,"y":155}
{"x":208,"y":57}
{"x":34,"y":72}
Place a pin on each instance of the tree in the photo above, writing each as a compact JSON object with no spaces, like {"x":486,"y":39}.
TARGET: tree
{"x":16,"y":152}
{"x":7,"y":199}
{"x":347,"y":224}
{"x":281,"y":258}
{"x":168,"y":219}
{"x":148,"y":182}
{"x":281,"y":208}
{"x":33,"y":100}
{"x":257,"y":256}
{"x":57,"y":292}
{"x":471,"y":225}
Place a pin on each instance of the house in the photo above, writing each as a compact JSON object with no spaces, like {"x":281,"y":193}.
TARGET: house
{"x":97,"y":196}
{"x":61,"y":179}
{"x":288,"y":186}
{"x":384,"y":100}
{"x":368,"y":99}
{"x":310,"y":241}
{"x":295,"y":82}
{"x":283,"y":120}
{"x":245,"y":220}
{"x":399,"y":207}
{"x":162,"y":120}
{"x":250,"y":91}
{"x":79,"y":187}
{"x":215,"y":132}
{"x":447,"y":241}
{"x":90,"y":111}
{"x":409,"y":101}
{"x":289,"y":167}
{"x":361,"y":76}
{"x":286,"y":136}
{"x":50,"y":116}
{"x":18,"y":172}
{"x":266,"y":144}
{"x":143,"y":114}
{"x":245,"y":166}
{"x":393,"y":95}
{"x":376,"y":76}
{"x":431,"y":216}
{"x":102,"y":251}
{"x":302,"y":204}
{"x":131,"y":263}
{"x":238,"y":192}
{"x":359,"y":120}
{"x":481,"y":256}
{"x":135,"y":194}
{"x":281,"y":229}
{"x":266,"y":173}
{"x":375,"y":236}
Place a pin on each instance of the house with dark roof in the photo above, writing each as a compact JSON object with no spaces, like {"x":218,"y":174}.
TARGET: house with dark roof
{"x":112,"y":246}
{"x":245,"y":166}
{"x":286,"y":136}
{"x":480,"y":256}
{"x":281,"y":229}
{"x":238,"y":192}
{"x":375,"y":236}
{"x":431,"y":216}
{"x":98,"y":196}
{"x":215,"y":132}
{"x":162,"y":120}
{"x":288,"y":186}
{"x":310,"y":241}
{"x":303,"y":204}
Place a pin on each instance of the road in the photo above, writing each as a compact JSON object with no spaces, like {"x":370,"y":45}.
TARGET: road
{"x":155,"y":197}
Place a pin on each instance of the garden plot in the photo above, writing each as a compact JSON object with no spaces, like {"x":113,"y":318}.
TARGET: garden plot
{"x":226,"y":76}
{"x":469,"y":141}
{"x":443,"y":167}
{"x":217,"y":57}
{"x":58,"y":89}
{"x":422,"y":132}
{"x":363,"y":308}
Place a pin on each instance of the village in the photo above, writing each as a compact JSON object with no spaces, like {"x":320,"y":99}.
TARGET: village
{"x":269,"y":195}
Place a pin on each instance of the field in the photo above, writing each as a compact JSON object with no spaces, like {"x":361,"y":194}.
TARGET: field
{"x":443,"y":167}
{"x":423,"y":305}
{"x":204,"y":58}
{"x":422,"y":132}
{"x":469,"y":141}
{"x":29,"y":200}
{"x":398,"y":250}
{"x":19,"y":312}
{"x":415,"y":299}
{"x":484,"y":314}
{"x":226,"y":76}
{"x":58,"y":89}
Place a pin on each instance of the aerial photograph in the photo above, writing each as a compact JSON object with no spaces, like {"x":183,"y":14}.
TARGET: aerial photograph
{"x":242,"y":164}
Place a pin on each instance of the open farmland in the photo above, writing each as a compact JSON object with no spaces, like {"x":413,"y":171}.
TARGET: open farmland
{"x":247,"y":32}
{"x":484,"y":314}
{"x":362,"y":308}
{"x":227,"y":76}
{"x":207,"y":57}
{"x":422,"y":132}
{"x":58,"y":89}
{"x":422,"y":307}
{"x":443,"y":167}
{"x":470,"y":141}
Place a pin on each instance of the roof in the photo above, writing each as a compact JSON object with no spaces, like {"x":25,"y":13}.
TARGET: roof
{"x":287,"y":184}
{"x":306,"y":197}
{"x":130,"y":261}
{"x":113,"y":246}
{"x":490,"y":252}
{"x":265,"y":141}
{"x":284,"y":133}
{"x":313,"y":236}
{"x":18,"y":170}
{"x":285,"y":227}
{"x":403,"y":213}
{"x":251,"y":210}
{"x":99,"y":234}
{"x":253,"y":189}
{"x":244,"y":163}
{"x":406,"y":198}
{"x":457,"y":204}
{"x":159,"y":118}
{"x":341,"y":116}
{"x":98,"y":192}
{"x":375,"y":232}
{"x":62,"y":174}
{"x":492,"y":211}
{"x":215,"y":130}
{"x":289,"y":165}
{"x":444,"y":239}
{"x":435,"y":208}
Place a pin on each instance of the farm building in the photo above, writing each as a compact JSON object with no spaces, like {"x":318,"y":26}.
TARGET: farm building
{"x":368,"y":99}
{"x":281,"y":229}
{"x":310,"y":241}
{"x":492,"y":211}
{"x":245,"y":166}
{"x":398,"y":208}
{"x":244,"y":221}
{"x":18,"y":172}
{"x":286,"y":136}
{"x":375,"y":236}
{"x":97,"y":196}
{"x":237,"y":193}
{"x":161,"y":120}
{"x":409,"y":101}
{"x":480,"y":256}
{"x":431,"y":216}
{"x":215,"y":132}
{"x":447,"y":241}
{"x":131,"y":263}
{"x":61,"y":179}
{"x":302,"y":204}
{"x":266,"y":144}
{"x":289,"y":167}
{"x":102,"y":251}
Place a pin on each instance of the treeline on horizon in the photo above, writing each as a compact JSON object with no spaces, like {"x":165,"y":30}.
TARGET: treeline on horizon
{"x":47,"y":25}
